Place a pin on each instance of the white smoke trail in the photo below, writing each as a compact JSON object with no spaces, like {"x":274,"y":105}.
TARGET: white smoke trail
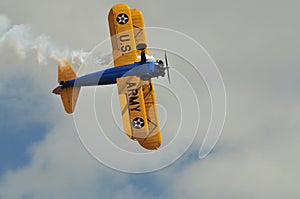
{"x":4,"y":25}
{"x":23,"y":43}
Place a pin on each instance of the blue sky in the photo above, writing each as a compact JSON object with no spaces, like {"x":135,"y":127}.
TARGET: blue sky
{"x":17,"y":132}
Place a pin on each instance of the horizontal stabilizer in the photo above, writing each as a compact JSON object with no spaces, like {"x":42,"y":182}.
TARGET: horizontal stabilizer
{"x":65,"y":72}
{"x":69,"y":97}
{"x":57,"y":90}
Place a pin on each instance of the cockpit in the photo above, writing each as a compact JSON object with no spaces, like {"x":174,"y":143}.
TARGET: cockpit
{"x":149,"y":58}
{"x":159,"y":65}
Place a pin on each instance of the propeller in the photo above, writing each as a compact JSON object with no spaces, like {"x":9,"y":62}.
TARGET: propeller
{"x":167,"y":67}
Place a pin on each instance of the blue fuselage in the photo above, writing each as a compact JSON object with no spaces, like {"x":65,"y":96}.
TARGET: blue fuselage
{"x":145,"y":70}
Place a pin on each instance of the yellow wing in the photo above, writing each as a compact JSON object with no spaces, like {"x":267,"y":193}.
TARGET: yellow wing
{"x":137,"y":98}
{"x":133,"y":107}
{"x":139,"y":111}
{"x":154,"y":138}
{"x":122,"y":35}
{"x":139,"y":28}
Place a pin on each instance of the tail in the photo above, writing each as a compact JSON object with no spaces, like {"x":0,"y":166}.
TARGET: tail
{"x":69,"y":95}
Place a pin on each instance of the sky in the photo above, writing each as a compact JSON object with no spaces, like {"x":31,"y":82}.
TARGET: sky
{"x":255,"y":46}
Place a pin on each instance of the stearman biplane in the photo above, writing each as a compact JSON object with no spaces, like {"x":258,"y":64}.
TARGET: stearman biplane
{"x":133,"y":73}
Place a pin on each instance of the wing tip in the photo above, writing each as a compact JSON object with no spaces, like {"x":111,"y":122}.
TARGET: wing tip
{"x":151,"y":143}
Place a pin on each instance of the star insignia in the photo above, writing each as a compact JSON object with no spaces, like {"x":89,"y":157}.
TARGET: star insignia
{"x":138,"y":123}
{"x":122,"y":18}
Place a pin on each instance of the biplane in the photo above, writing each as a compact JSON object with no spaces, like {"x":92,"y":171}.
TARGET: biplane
{"x":133,"y":71}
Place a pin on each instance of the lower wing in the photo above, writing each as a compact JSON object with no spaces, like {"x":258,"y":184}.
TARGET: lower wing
{"x":139,"y":111}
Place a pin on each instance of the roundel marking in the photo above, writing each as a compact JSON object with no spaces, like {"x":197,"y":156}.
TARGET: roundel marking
{"x":138,"y":123}
{"x":122,"y":18}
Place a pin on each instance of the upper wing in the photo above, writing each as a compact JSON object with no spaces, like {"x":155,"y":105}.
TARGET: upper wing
{"x":139,"y":28}
{"x":122,"y":35}
{"x":154,"y":138}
